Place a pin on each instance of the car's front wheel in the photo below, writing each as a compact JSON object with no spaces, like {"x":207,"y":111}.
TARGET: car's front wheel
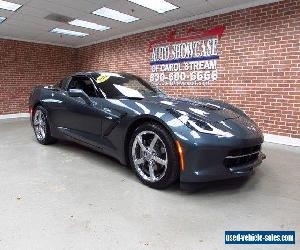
{"x":153,"y":156}
{"x":41,"y":126}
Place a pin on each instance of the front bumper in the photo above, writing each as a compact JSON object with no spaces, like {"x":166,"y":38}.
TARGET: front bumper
{"x":214,"y":158}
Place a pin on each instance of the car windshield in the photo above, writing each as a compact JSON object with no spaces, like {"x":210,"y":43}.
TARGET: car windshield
{"x":117,"y":86}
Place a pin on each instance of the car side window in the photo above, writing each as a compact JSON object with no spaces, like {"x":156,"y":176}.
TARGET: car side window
{"x":84,"y":84}
{"x":63,"y":83}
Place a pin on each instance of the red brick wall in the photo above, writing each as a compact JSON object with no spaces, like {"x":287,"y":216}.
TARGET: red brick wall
{"x":24,"y":65}
{"x":259,"y":65}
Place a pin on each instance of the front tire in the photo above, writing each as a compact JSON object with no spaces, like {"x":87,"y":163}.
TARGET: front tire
{"x":153,"y":157}
{"x":41,"y":126}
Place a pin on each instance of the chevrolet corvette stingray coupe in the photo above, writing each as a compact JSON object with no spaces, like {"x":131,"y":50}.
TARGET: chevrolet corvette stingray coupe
{"x":162,"y":138}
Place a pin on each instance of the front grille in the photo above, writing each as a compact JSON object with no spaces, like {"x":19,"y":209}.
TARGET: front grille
{"x":242,"y":156}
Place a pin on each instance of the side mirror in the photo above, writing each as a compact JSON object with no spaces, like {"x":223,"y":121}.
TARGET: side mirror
{"x":82,"y":94}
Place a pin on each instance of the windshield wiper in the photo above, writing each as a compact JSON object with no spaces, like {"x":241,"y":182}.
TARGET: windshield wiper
{"x":132,"y":97}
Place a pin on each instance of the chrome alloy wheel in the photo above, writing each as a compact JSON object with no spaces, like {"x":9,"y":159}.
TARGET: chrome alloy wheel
{"x":39,"y":124}
{"x":149,"y":155}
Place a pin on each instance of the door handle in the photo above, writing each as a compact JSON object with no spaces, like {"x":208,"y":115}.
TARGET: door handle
{"x":107,"y":110}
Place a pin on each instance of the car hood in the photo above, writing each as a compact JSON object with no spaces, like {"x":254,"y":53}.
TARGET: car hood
{"x":205,"y":109}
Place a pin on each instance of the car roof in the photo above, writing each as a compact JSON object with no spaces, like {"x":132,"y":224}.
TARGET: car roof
{"x":84,"y":73}
{"x":90,"y":73}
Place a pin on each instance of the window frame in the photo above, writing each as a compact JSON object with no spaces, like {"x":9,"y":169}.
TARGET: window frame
{"x":85,"y":77}
{"x":65,"y":82}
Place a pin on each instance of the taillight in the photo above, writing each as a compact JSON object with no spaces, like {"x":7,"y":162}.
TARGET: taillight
{"x":30,"y":112}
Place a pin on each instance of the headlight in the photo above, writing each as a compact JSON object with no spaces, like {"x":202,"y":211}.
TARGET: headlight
{"x":198,"y":124}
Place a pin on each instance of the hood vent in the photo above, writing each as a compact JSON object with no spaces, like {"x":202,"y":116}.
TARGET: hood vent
{"x":211,"y":106}
{"x":59,"y":18}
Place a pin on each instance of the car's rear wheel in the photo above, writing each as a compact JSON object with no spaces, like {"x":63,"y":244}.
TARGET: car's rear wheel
{"x":41,"y":126}
{"x":153,"y":157}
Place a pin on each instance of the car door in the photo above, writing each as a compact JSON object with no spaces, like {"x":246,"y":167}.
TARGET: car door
{"x":78,"y":119}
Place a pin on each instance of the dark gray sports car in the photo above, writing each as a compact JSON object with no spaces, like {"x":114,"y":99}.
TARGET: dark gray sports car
{"x":161,"y":137}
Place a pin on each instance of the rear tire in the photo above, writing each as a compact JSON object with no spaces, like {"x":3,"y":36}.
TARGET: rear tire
{"x":41,"y":126}
{"x":153,"y":157}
